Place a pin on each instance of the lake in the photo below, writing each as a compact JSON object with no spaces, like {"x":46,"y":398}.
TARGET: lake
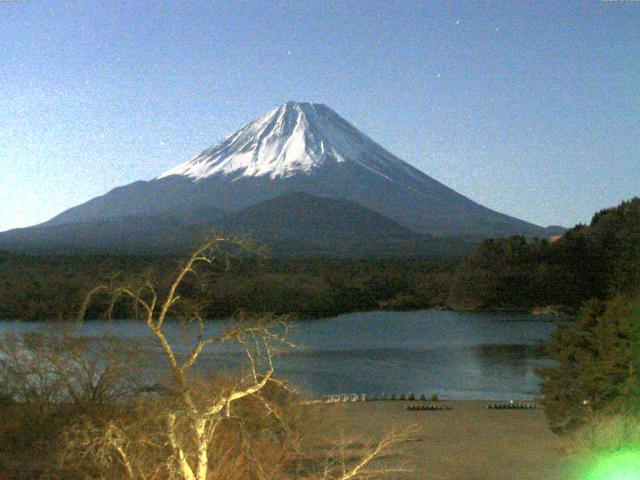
{"x":455,"y":355}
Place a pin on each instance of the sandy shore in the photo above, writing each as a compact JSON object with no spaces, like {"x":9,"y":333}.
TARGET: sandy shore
{"x":468,"y":442}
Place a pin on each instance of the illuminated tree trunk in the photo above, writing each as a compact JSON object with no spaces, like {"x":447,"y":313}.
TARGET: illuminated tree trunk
{"x":202,"y":456}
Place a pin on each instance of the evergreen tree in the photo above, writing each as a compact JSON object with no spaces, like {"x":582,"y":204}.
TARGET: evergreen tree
{"x":597,"y":364}
{"x":601,"y":260}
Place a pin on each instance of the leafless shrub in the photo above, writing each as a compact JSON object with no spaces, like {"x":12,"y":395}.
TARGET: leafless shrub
{"x":208,"y":427}
{"x":53,"y":367}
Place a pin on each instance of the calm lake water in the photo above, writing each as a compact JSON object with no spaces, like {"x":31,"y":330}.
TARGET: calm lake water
{"x":454,"y":355}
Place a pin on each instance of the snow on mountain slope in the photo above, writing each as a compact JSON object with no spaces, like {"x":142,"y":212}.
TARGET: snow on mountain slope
{"x":302,"y":147}
{"x":291,"y":139}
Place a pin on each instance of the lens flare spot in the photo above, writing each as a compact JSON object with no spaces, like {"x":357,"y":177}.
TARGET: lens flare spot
{"x":618,"y":466}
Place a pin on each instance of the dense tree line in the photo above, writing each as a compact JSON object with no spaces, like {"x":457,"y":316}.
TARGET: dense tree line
{"x":38,"y":287}
{"x":595,"y":261}
{"x":600,"y":260}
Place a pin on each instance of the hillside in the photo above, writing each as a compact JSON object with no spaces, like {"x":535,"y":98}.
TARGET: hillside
{"x":292,"y":225}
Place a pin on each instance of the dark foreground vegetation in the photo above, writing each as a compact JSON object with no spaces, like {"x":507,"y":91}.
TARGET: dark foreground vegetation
{"x":598,"y":365}
{"x":595,"y":261}
{"x":160,"y":408}
{"x":593,"y":391}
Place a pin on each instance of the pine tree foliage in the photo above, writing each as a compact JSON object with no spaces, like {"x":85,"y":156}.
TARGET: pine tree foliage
{"x":597,"y":364}
{"x":600,"y":260}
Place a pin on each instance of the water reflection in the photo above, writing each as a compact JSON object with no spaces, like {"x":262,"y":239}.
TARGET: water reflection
{"x":454,"y":355}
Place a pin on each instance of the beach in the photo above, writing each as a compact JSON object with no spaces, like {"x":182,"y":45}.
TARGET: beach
{"x":467,"y":442}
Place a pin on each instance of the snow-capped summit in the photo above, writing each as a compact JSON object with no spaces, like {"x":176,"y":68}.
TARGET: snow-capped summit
{"x":295,"y":138}
{"x":309,"y":148}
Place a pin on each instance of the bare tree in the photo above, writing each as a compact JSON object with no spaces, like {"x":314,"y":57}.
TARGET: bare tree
{"x":196,"y":415}
{"x":51,"y":367}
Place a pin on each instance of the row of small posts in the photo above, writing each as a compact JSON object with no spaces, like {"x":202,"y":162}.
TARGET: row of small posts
{"x":345,"y":397}
{"x":363,"y":397}
{"x":432,"y":405}
{"x":427,"y":406}
{"x":510,"y":404}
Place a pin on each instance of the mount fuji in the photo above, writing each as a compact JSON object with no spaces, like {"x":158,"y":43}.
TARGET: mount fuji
{"x":296,"y":148}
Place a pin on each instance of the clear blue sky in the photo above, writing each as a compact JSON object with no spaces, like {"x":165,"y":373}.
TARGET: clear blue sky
{"x":530,"y":108}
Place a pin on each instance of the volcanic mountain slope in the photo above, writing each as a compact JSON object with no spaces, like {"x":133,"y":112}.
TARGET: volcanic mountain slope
{"x":296,"y":224}
{"x":300,"y":224}
{"x":307,"y":218}
{"x":302,"y":147}
{"x":125,"y":235}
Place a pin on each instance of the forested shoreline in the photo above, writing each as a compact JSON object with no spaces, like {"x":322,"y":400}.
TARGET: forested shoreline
{"x":35,"y":288}
{"x":595,"y":261}
{"x":599,"y":261}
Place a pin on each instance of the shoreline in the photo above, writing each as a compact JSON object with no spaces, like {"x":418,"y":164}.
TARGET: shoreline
{"x":539,"y":312}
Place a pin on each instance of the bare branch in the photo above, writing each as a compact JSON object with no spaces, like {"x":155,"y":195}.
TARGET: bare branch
{"x":363,"y":468}
{"x":195,"y":258}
